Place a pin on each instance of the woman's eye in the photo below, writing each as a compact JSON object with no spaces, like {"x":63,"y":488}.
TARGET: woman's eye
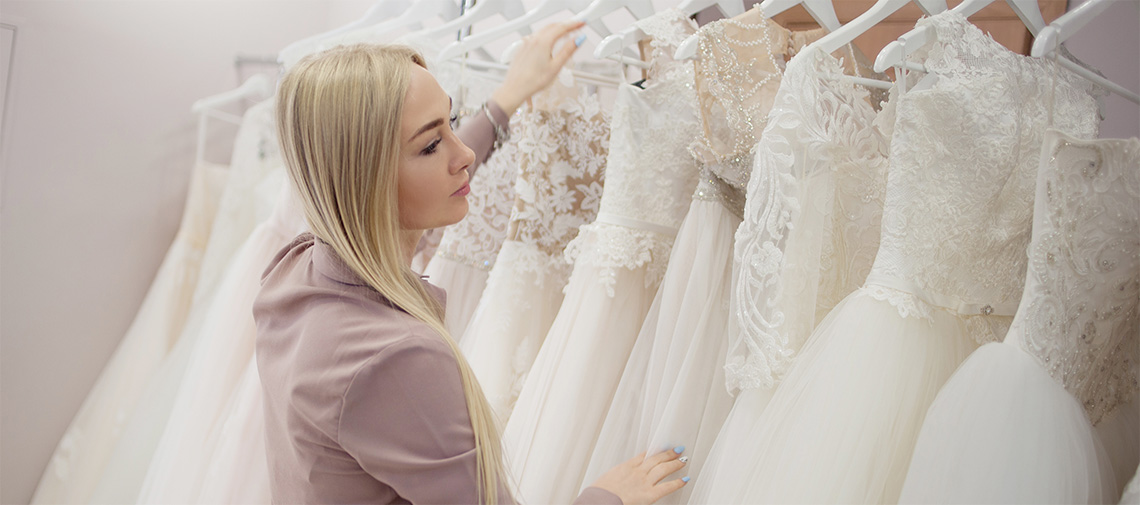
{"x":431,"y":147}
{"x":454,"y":120}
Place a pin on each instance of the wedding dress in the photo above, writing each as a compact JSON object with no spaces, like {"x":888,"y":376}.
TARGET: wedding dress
{"x":111,"y":470}
{"x":75,"y":466}
{"x":841,"y":426}
{"x":808,"y":239}
{"x":672,"y":391}
{"x":1015,"y":423}
{"x":467,"y":251}
{"x":618,"y":263}
{"x":562,"y":144}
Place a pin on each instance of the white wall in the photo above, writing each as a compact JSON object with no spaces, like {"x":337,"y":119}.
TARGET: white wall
{"x":98,"y":142}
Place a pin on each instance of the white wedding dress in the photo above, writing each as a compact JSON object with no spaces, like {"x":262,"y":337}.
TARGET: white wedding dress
{"x":672,"y":391}
{"x":1015,"y":422}
{"x":86,"y":445}
{"x":841,"y":426}
{"x":618,"y":263}
{"x":808,"y":239}
{"x":562,"y":145}
{"x":111,"y":470}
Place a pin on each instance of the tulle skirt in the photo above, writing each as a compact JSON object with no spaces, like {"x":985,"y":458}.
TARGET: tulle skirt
{"x":1002,"y":430}
{"x":512,"y":318}
{"x":841,"y":426}
{"x":672,"y":390}
{"x":548,"y":439}
{"x":86,"y":446}
{"x":464,"y":285}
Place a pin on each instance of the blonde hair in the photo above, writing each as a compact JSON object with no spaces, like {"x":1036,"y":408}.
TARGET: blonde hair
{"x":338,"y":119}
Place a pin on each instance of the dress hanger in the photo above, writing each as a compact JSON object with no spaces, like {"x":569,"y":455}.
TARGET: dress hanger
{"x":544,"y":10}
{"x":482,"y":9}
{"x":380,"y":11}
{"x":258,"y":87}
{"x":822,"y":11}
{"x":894,"y":53}
{"x":420,"y":11}
{"x":611,"y":45}
{"x":1049,"y":40}
{"x":730,"y":8}
{"x":873,"y":16}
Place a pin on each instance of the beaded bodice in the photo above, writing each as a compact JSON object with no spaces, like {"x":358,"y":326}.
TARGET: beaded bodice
{"x":963,"y":164}
{"x":475,"y":241}
{"x":1079,"y":314}
{"x":737,"y":75}
{"x":562,"y":139}
{"x":649,"y":175}
{"x":812,"y":218}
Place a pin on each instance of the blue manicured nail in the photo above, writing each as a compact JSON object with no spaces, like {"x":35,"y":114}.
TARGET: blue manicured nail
{"x":684,"y":479}
{"x":581,"y":38}
{"x":679,"y":449}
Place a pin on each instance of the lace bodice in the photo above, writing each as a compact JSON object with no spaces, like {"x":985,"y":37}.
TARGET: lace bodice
{"x":649,"y":175}
{"x":811,"y":221}
{"x":737,"y":75}
{"x":1082,"y":289}
{"x":475,"y":241}
{"x":563,"y":138}
{"x":963,"y":164}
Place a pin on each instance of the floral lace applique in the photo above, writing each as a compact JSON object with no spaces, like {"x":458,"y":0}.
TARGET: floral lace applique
{"x":1083,"y":286}
{"x":562,"y":144}
{"x":963,"y":166}
{"x":649,"y":175}
{"x":811,"y":221}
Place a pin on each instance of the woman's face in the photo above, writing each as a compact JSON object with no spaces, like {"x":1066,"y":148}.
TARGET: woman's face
{"x":432,"y":180}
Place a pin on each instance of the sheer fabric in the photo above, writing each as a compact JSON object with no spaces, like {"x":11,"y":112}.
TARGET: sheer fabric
{"x":1015,"y":422}
{"x":562,"y":144}
{"x":841,"y":426}
{"x":86,"y":445}
{"x":618,"y":262}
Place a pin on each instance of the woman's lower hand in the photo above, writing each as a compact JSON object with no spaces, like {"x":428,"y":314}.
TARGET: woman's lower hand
{"x":638,"y":481}
{"x":535,"y":65}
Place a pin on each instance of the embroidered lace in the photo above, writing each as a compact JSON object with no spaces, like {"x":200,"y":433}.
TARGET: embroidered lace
{"x":963,"y":167}
{"x":811,"y":221}
{"x":649,"y":175}
{"x":1083,"y":283}
{"x":563,"y":138}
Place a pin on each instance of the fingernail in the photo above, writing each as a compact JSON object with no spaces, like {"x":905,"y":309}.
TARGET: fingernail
{"x":679,"y":449}
{"x":578,"y":41}
{"x":683,"y":459}
{"x":685,"y":479}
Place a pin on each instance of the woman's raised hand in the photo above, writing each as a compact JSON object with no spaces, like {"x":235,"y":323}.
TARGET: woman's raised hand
{"x":535,"y":65}
{"x":638,"y":481}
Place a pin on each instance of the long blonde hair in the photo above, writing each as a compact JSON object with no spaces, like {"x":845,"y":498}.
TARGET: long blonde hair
{"x":338,"y":119}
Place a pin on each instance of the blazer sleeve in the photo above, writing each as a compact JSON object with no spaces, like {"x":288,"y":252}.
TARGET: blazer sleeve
{"x":404,"y":419}
{"x":479,"y":134}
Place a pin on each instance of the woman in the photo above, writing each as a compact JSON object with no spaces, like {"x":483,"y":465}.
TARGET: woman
{"x":367,"y":398}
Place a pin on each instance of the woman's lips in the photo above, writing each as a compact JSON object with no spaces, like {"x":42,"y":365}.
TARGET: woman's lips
{"x":462,"y":191}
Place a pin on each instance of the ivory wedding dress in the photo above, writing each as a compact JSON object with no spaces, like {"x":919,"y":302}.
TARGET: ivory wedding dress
{"x":562,"y":145}
{"x":841,"y":426}
{"x":672,"y":391}
{"x":1015,"y":423}
{"x":618,"y":263}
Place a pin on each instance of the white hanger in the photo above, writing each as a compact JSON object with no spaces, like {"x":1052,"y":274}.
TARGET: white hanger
{"x":867,"y":20}
{"x":1064,"y":27}
{"x":613,"y":44}
{"x":894,"y":53}
{"x":730,"y":8}
{"x":380,"y":11}
{"x":483,"y":9}
{"x":257,"y":87}
{"x":822,"y":11}
{"x":420,"y":11}
{"x":544,"y":10}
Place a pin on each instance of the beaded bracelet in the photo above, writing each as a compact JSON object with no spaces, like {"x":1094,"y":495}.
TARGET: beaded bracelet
{"x":502,"y":135}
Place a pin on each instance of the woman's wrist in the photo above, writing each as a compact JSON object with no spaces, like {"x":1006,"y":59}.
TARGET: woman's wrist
{"x":508,"y":101}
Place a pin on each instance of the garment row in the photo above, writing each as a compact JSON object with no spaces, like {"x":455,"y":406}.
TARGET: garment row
{"x":822,"y":291}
